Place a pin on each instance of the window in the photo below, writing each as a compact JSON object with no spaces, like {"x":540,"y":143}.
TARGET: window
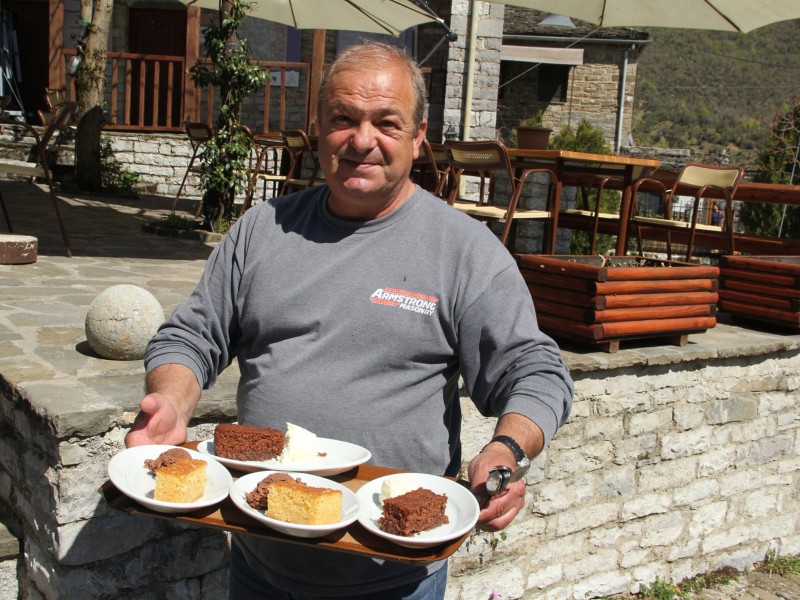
{"x":552,"y":84}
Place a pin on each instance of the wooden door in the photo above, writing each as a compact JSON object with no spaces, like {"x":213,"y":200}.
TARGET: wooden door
{"x":30,"y":22}
{"x":158,"y":32}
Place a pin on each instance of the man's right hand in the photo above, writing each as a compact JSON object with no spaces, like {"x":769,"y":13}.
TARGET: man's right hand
{"x":158,"y":422}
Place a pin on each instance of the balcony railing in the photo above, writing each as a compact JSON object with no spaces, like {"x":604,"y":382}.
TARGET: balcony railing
{"x":149,"y":92}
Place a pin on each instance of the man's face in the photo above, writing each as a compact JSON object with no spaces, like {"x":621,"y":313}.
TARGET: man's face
{"x":367,"y":141}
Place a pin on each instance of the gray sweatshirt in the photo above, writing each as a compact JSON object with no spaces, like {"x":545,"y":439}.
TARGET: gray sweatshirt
{"x":358,"y":331}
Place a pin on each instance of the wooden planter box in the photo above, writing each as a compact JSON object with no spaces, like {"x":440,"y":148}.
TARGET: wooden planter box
{"x":761,"y":288}
{"x":604,"y":301}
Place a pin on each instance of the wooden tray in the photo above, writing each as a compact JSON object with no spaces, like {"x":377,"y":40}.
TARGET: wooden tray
{"x":354,"y":539}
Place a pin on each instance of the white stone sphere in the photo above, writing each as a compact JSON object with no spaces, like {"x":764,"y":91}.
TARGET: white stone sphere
{"x":121,"y":320}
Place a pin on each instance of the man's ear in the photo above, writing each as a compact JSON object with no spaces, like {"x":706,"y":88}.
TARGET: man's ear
{"x":419,"y":136}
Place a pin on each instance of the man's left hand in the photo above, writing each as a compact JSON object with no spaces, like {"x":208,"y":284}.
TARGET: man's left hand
{"x":499,"y":510}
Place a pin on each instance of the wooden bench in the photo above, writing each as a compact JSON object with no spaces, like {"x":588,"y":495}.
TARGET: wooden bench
{"x":36,"y":166}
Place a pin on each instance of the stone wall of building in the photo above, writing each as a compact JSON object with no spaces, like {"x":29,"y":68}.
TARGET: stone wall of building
{"x":593,"y":93}
{"x":486,"y":58}
{"x":675,"y":461}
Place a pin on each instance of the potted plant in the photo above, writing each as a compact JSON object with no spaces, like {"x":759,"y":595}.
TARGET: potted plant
{"x":531,"y":134}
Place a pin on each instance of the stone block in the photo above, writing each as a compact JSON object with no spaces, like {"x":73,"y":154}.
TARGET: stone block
{"x":607,"y":584}
{"x":658,"y":420}
{"x":667,"y":474}
{"x":644,"y":505}
{"x":587,"y":518}
{"x":728,"y":411}
{"x":662,"y":530}
{"x":696,"y":492}
{"x":601,"y":561}
{"x":685,"y":443}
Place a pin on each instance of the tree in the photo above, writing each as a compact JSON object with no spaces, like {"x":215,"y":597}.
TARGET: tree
{"x":90,"y":81}
{"x":778,"y":163}
{"x":224,"y":158}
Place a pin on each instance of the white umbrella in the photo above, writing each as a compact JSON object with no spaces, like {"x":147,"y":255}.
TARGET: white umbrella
{"x":721,"y":15}
{"x":371,"y":16}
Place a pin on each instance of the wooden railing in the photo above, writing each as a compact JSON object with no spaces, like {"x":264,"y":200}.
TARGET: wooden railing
{"x":149,"y":92}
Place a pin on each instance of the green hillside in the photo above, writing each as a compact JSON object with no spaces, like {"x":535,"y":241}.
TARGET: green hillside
{"x":707,"y":91}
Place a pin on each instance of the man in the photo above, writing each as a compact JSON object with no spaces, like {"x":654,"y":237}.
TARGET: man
{"x":352,"y":309}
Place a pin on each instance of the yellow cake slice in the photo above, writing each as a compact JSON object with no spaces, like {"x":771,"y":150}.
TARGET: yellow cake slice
{"x":182,"y":481}
{"x":296,"y":502}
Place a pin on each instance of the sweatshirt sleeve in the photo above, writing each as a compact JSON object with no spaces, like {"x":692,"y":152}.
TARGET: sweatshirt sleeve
{"x":202,"y":332}
{"x":508,"y":364}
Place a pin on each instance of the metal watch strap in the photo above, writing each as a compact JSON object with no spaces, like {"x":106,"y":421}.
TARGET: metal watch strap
{"x":512,"y":445}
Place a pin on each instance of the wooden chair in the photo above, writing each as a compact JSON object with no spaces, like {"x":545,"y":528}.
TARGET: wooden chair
{"x":199,"y":134}
{"x":37,"y":166}
{"x":267,"y":168}
{"x":485,"y":160}
{"x":299,"y":152}
{"x":696,"y":180}
{"x":426,"y":171}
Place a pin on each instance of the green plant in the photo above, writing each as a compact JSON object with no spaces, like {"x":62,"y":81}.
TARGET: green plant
{"x":707,"y":580}
{"x":225,"y":158}
{"x":781,"y":565}
{"x":533,"y":120}
{"x":176,"y":222}
{"x":113,"y":176}
{"x":779,"y":162}
{"x":660,"y":590}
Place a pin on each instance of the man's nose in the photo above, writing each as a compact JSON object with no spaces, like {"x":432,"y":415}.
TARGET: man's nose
{"x":363,"y":138}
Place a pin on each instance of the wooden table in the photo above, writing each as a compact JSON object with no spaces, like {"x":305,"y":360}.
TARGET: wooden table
{"x":569,"y":165}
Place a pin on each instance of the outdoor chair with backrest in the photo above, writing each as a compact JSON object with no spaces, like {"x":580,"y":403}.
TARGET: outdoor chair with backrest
{"x":266,"y":167}
{"x":303,"y":169}
{"x":486,"y":160}
{"x":425,"y":171}
{"x":36,"y":165}
{"x":199,"y":134}
{"x":696,"y":180}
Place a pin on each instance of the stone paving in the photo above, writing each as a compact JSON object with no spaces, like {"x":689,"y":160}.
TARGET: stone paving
{"x":43,"y":307}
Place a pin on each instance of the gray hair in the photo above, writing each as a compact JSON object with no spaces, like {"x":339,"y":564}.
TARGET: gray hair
{"x":371,"y":54}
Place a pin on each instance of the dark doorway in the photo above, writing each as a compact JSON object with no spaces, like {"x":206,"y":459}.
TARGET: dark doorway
{"x":30,"y":21}
{"x":163,"y":33}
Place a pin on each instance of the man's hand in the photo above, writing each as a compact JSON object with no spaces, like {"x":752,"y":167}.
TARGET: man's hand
{"x":499,"y":510}
{"x":158,"y":422}
{"x":173,"y":393}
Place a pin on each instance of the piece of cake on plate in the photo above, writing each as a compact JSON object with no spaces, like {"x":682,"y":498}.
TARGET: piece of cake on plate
{"x":413,"y":512}
{"x":247,"y":442}
{"x":296,"y":502}
{"x":183,"y":481}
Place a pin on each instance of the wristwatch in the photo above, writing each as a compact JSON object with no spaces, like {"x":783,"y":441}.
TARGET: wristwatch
{"x":499,"y":477}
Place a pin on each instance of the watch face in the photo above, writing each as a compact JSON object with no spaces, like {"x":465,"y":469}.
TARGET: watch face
{"x":497,"y":480}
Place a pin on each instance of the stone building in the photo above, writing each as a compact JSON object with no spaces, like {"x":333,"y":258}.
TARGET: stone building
{"x":503,"y":66}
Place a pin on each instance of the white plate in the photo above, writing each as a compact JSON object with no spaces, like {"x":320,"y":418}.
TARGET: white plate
{"x":248,"y":483}
{"x":339,"y":457}
{"x":127,"y":472}
{"x":462,"y":510}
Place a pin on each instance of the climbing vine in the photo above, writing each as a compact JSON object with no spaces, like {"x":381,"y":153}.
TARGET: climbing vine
{"x":230,"y":69}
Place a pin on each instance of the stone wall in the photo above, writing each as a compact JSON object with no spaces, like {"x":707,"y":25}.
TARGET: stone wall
{"x":593,"y":93}
{"x":675,"y":461}
{"x":486,"y":56}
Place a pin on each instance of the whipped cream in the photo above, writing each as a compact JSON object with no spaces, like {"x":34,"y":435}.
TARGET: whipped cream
{"x":301,"y":444}
{"x":396,"y":486}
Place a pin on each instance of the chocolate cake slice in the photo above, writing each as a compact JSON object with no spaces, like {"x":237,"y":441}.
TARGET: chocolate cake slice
{"x":413,"y":512}
{"x":247,"y":442}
